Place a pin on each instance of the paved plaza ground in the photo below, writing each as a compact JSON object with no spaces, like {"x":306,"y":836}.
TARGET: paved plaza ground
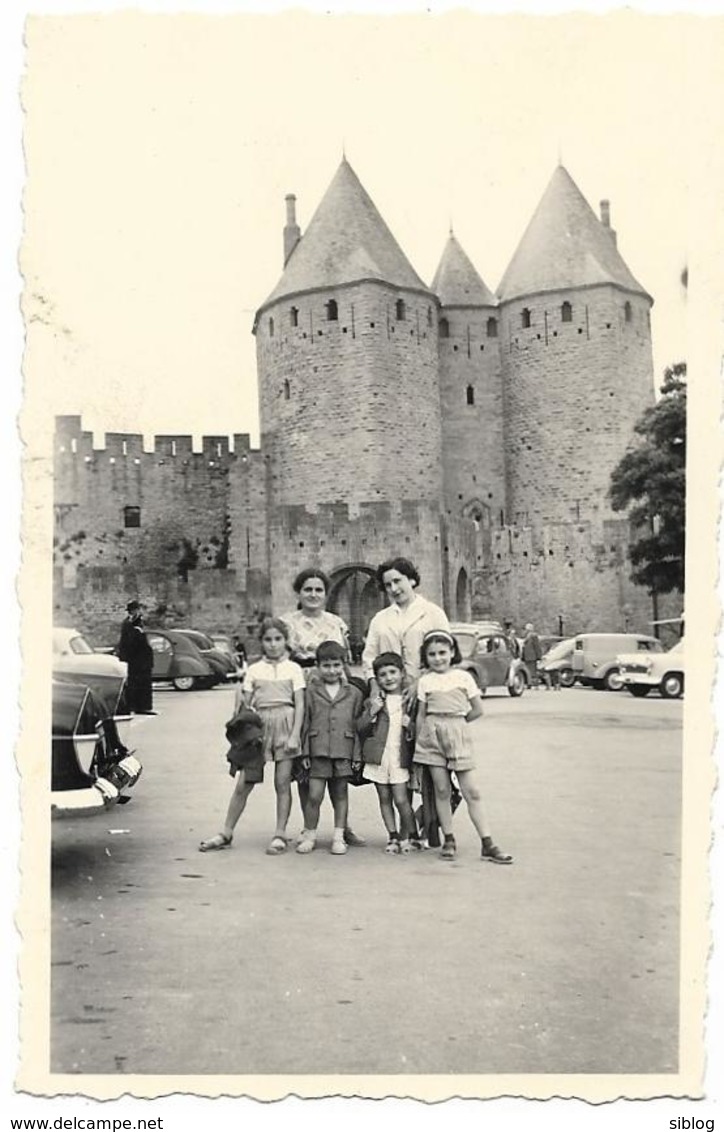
{"x":169,"y":961}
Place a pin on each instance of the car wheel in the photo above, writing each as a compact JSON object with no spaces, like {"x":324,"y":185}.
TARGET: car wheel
{"x":517,"y":685}
{"x":567,"y":677}
{"x":184,"y":683}
{"x":612,"y":681}
{"x":672,"y":686}
{"x":639,"y":690}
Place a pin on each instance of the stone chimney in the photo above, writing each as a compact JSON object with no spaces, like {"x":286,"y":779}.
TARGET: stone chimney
{"x":606,"y":218}
{"x":292,"y":231}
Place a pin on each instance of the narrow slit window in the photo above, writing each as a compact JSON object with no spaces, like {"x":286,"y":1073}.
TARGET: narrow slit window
{"x":525,"y":318}
{"x":131,"y":517}
{"x":492,"y":328}
{"x":627,"y":312}
{"x":444,"y":328}
{"x":294,"y":316}
{"x":566,"y":312}
{"x":470,"y":395}
{"x":271,"y":327}
{"x":287,"y":390}
{"x":332,"y":311}
{"x":400,"y":310}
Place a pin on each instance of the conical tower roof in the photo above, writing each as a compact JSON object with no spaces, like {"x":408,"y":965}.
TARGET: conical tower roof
{"x":565,"y":245}
{"x":346,"y":241}
{"x":457,"y":283}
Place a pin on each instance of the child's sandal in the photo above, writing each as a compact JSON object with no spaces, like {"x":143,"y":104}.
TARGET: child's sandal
{"x":496,"y":855}
{"x":448,"y":851}
{"x":218,"y":841}
{"x":392,"y":846}
{"x":276,"y":847}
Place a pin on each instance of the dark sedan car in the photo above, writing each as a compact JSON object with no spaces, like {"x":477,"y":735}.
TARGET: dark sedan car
{"x":177,"y":658}
{"x":217,"y":658}
{"x":488,"y":658}
{"x":91,"y":766}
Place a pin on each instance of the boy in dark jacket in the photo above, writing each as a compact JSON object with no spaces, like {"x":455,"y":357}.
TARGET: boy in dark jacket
{"x":387,"y":751}
{"x":329,"y":743}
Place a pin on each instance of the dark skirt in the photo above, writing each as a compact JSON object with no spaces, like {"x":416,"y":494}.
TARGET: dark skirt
{"x":139,"y":690}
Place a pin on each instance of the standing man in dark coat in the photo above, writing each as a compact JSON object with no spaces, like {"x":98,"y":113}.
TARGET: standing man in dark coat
{"x":134,"y":648}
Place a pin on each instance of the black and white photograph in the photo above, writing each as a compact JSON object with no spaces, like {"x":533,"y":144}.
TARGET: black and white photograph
{"x":368,"y":432}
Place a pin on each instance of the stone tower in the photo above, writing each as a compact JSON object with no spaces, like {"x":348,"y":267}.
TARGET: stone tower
{"x":577,"y":363}
{"x":471,"y":390}
{"x":347,"y":354}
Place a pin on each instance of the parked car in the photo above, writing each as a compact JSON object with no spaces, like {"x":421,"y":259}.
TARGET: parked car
{"x":595,"y":662}
{"x":76,"y":662}
{"x":221,"y":661}
{"x":177,"y":659}
{"x":641,"y":672}
{"x":559,"y":658}
{"x":91,"y":766}
{"x":488,"y":658}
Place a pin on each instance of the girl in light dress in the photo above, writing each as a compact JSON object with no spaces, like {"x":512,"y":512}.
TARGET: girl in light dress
{"x":448,"y":700}
{"x":274,"y":688}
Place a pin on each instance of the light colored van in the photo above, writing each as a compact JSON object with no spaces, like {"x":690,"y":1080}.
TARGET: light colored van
{"x":595,"y":656}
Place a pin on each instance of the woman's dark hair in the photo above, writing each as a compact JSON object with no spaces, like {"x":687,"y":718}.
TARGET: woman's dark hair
{"x":274,"y":623}
{"x":446,"y":638}
{"x":304,"y":576}
{"x":402,"y":565}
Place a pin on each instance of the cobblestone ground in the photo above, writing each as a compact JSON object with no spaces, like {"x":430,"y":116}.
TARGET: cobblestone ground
{"x":169,"y":961}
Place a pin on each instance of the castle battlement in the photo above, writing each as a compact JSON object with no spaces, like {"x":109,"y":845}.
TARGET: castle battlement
{"x":73,"y":440}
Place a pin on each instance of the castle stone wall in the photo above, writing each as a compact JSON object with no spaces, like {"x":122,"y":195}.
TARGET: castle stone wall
{"x":572,"y":393}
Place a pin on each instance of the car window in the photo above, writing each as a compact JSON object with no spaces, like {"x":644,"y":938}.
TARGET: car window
{"x":579,"y":644}
{"x":466,"y":643}
{"x":649,"y":646}
{"x":80,"y":646}
{"x":159,"y":644}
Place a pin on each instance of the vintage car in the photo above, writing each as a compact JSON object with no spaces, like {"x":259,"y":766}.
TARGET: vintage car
{"x":559,"y":658}
{"x":595,"y":656}
{"x":488,"y":658}
{"x":177,"y":659}
{"x":91,"y":765}
{"x":219,"y":659}
{"x":76,"y":662}
{"x":665,"y":671}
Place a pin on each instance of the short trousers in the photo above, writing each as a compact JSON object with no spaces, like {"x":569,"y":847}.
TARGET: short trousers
{"x":320,"y":767}
{"x":443,"y":740}
{"x":278,"y":724}
{"x":387,"y":773}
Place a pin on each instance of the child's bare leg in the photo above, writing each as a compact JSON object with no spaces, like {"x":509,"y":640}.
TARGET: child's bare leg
{"x":303,"y":788}
{"x":384,"y":796}
{"x":315,"y":794}
{"x":237,"y":802}
{"x":339,"y":794}
{"x":408,"y":826}
{"x":441,"y":785}
{"x":283,"y":787}
{"x":470,"y":790}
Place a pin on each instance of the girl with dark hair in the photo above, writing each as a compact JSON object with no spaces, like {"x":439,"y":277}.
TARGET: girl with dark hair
{"x":449,"y":699}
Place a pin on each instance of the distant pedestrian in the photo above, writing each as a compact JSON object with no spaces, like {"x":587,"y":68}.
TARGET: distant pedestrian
{"x":273,"y":687}
{"x":331,"y":750}
{"x":135,"y":650}
{"x":531,"y":654}
{"x":387,"y":751}
{"x":449,"y":699}
{"x":512,"y":639}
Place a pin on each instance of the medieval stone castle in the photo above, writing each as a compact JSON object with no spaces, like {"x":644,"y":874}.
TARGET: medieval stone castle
{"x":474,"y":432}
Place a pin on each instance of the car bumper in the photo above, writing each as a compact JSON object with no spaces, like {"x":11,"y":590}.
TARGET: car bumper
{"x":648,"y":678}
{"x":100,"y":796}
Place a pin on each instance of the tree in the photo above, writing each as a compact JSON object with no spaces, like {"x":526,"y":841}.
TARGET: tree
{"x":650,"y":482}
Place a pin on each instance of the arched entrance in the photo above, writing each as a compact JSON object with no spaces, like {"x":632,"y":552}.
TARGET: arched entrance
{"x":355,"y":596}
{"x":462,"y":596}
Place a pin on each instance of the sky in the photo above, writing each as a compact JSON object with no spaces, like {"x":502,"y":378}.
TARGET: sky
{"x":160,"y":147}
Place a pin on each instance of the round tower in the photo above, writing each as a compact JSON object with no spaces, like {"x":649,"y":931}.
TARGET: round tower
{"x":348,"y":383}
{"x":577,"y":361}
{"x":347,"y":363}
